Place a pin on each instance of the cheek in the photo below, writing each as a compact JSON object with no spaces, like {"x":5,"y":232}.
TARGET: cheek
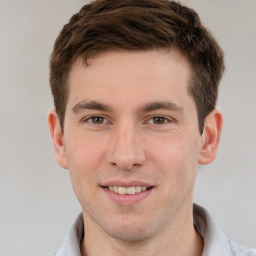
{"x":176,"y":159}
{"x":83,"y":152}
{"x":85,"y":159}
{"x":179,"y":168}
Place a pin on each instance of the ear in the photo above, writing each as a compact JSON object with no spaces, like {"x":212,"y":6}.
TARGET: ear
{"x":210,"y":137}
{"x":57,"y":138}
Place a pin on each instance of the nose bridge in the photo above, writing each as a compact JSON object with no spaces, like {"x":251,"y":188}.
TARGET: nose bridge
{"x":127,"y":150}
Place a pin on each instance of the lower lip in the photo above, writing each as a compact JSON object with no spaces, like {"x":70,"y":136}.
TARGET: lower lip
{"x":127,"y":199}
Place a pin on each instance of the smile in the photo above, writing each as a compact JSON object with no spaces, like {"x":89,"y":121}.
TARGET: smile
{"x":128,"y":193}
{"x":127,"y":190}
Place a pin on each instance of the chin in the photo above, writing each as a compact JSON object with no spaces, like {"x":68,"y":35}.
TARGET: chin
{"x":131,"y":231}
{"x":131,"y":235}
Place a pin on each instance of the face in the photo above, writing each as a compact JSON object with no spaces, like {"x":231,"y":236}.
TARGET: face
{"x":131,"y":142}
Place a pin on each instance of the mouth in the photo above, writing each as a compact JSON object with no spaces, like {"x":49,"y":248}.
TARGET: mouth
{"x":127,"y":193}
{"x":127,"y":190}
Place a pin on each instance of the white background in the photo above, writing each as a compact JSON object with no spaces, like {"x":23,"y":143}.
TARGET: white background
{"x":37,"y":204}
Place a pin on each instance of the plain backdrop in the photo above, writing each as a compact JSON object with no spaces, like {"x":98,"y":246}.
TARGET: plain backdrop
{"x":37,"y":203}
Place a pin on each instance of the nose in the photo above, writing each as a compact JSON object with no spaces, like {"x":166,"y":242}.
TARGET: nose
{"x":126,"y":151}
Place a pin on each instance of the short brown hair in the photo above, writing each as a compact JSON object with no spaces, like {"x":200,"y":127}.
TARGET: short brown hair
{"x":105,"y":25}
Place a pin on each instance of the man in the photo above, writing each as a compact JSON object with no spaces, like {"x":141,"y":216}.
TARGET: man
{"x":135,"y":84}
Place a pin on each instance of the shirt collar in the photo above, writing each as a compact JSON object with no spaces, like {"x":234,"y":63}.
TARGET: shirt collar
{"x":74,"y":236}
{"x":215,"y":242}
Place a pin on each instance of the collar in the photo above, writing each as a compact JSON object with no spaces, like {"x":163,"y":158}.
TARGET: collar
{"x":73,"y":238}
{"x":215,"y":242}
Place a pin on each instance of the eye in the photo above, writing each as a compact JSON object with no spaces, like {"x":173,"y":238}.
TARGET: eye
{"x":96,"y":120}
{"x":158,"y":120}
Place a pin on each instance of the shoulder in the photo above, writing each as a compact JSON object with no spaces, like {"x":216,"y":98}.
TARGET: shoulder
{"x":71,"y":244}
{"x":55,"y":253}
{"x":240,"y":250}
{"x":215,"y":241}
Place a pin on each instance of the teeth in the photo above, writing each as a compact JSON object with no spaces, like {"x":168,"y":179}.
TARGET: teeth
{"x":121,"y":190}
{"x":130,"y":190}
{"x":137,"y":189}
{"x":126,"y":191}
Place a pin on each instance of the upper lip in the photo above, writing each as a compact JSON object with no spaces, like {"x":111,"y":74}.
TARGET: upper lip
{"x":127,"y":184}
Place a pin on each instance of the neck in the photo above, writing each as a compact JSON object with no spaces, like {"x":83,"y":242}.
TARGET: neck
{"x":177,"y":239}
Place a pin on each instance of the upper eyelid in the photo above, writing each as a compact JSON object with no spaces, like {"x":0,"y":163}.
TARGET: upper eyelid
{"x":168,"y":118}
{"x":161,"y":116}
{"x":83,"y":119}
{"x":91,"y":116}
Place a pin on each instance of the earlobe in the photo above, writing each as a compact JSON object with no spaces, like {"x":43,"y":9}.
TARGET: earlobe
{"x":210,"y":137}
{"x":57,"y":138}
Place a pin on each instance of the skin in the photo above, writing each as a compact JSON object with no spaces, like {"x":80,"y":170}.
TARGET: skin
{"x":127,"y":137}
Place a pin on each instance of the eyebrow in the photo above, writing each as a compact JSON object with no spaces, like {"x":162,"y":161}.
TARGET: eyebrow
{"x":92,"y":105}
{"x":162,"y":105}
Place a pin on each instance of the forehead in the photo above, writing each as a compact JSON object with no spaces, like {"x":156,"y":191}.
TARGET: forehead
{"x":153,"y":75}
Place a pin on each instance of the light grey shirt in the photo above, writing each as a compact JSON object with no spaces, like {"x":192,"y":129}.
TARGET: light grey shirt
{"x":215,"y":242}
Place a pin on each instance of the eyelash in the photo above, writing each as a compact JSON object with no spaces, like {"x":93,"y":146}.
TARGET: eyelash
{"x":104,"y":120}
{"x":163,"y":118}
{"x":90,"y":120}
